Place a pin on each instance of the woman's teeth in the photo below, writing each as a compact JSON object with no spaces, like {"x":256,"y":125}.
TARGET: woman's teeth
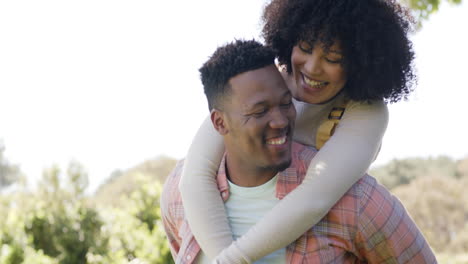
{"x":277,"y":141}
{"x":313,"y":83}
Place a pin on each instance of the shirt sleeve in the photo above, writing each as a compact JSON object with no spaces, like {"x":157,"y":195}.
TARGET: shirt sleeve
{"x":343,"y":159}
{"x":172,"y":237}
{"x":386,"y":233}
{"x":168,"y":219}
{"x":204,"y":207}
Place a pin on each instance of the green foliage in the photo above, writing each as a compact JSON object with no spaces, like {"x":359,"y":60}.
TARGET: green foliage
{"x":58,"y":224}
{"x":77,"y":179}
{"x":140,"y":213}
{"x":67,"y":236}
{"x":9,"y":173}
{"x":400,"y":172}
{"x":12,"y":254}
{"x":423,"y":9}
{"x":42,"y":233}
{"x":123,"y":183}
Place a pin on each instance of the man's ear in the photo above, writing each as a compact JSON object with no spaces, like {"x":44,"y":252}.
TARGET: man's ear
{"x":219,"y":121}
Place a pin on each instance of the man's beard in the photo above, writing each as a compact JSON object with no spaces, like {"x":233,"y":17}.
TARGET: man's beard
{"x":277,"y":168}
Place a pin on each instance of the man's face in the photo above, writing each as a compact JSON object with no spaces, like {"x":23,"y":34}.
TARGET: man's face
{"x":259,"y":120}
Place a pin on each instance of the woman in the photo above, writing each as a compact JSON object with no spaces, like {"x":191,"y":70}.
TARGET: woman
{"x":341,"y":59}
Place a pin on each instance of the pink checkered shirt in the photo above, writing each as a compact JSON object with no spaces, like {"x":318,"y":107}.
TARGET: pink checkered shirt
{"x":367,"y":225}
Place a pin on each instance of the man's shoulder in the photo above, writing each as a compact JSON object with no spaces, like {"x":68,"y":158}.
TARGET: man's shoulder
{"x":363,"y":196}
{"x":367,"y":187}
{"x":372,"y":197}
{"x":364,"y":203}
{"x":384,"y":224}
{"x":302,"y":154}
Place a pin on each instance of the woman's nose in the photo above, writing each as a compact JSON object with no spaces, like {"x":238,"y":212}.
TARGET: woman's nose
{"x":312,"y":65}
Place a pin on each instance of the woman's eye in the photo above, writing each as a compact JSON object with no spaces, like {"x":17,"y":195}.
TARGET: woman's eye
{"x":330,"y":60}
{"x":305,"y":47}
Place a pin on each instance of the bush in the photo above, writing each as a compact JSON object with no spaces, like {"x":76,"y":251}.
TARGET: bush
{"x":439,"y":206}
{"x":59,"y":225}
{"x":402,"y":172}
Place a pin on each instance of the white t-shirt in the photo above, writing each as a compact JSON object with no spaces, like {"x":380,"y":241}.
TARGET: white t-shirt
{"x":245,"y":207}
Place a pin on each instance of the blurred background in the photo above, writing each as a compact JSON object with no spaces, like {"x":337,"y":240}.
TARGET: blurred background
{"x":99,"y":99}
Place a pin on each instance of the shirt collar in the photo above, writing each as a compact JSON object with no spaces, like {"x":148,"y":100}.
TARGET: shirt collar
{"x":288,"y":179}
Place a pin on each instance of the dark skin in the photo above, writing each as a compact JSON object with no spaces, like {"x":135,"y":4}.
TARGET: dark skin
{"x":256,"y":122}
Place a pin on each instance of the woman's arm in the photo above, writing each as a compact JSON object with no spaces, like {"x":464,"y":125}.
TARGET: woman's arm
{"x":203,"y":206}
{"x":343,"y":159}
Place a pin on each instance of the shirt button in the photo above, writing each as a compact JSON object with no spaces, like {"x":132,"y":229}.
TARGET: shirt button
{"x":188,"y":257}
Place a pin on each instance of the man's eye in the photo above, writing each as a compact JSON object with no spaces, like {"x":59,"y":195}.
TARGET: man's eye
{"x":286,"y":105}
{"x":260,"y":112}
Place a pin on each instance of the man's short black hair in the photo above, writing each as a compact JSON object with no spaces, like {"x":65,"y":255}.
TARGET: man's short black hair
{"x":228,"y":61}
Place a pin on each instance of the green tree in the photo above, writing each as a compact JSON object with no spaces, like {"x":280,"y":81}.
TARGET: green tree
{"x":9,"y":173}
{"x":140,"y":213}
{"x":403,"y":171}
{"x":123,"y":183}
{"x":60,"y":224}
{"x":423,"y":9}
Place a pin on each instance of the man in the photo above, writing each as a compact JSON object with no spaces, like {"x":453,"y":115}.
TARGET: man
{"x":252,"y":109}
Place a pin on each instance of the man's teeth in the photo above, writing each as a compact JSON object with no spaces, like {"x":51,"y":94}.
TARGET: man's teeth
{"x":277,"y":141}
{"x":314,"y":83}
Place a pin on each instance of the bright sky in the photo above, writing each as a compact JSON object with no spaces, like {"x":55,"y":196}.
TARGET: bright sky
{"x":112,"y":83}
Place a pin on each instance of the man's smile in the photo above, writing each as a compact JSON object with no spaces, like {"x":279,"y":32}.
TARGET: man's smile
{"x":277,"y":140}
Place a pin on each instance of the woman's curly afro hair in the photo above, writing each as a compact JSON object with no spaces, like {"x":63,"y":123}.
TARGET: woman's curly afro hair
{"x":373,"y":34}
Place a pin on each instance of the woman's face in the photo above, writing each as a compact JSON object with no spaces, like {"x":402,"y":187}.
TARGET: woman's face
{"x":318,"y":74}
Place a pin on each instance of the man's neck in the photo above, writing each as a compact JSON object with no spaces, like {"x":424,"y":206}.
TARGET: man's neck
{"x":241,"y":174}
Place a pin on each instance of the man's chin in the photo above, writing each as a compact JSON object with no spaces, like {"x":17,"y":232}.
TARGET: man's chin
{"x":284,"y":165}
{"x":279,"y":166}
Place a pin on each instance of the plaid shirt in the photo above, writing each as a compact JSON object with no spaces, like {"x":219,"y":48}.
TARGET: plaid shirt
{"x":367,"y":225}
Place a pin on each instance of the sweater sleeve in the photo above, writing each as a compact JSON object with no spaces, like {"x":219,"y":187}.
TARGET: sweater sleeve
{"x":203,"y":205}
{"x":343,"y":159}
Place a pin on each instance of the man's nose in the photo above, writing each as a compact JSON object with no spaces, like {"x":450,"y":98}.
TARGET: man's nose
{"x":279,"y":119}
